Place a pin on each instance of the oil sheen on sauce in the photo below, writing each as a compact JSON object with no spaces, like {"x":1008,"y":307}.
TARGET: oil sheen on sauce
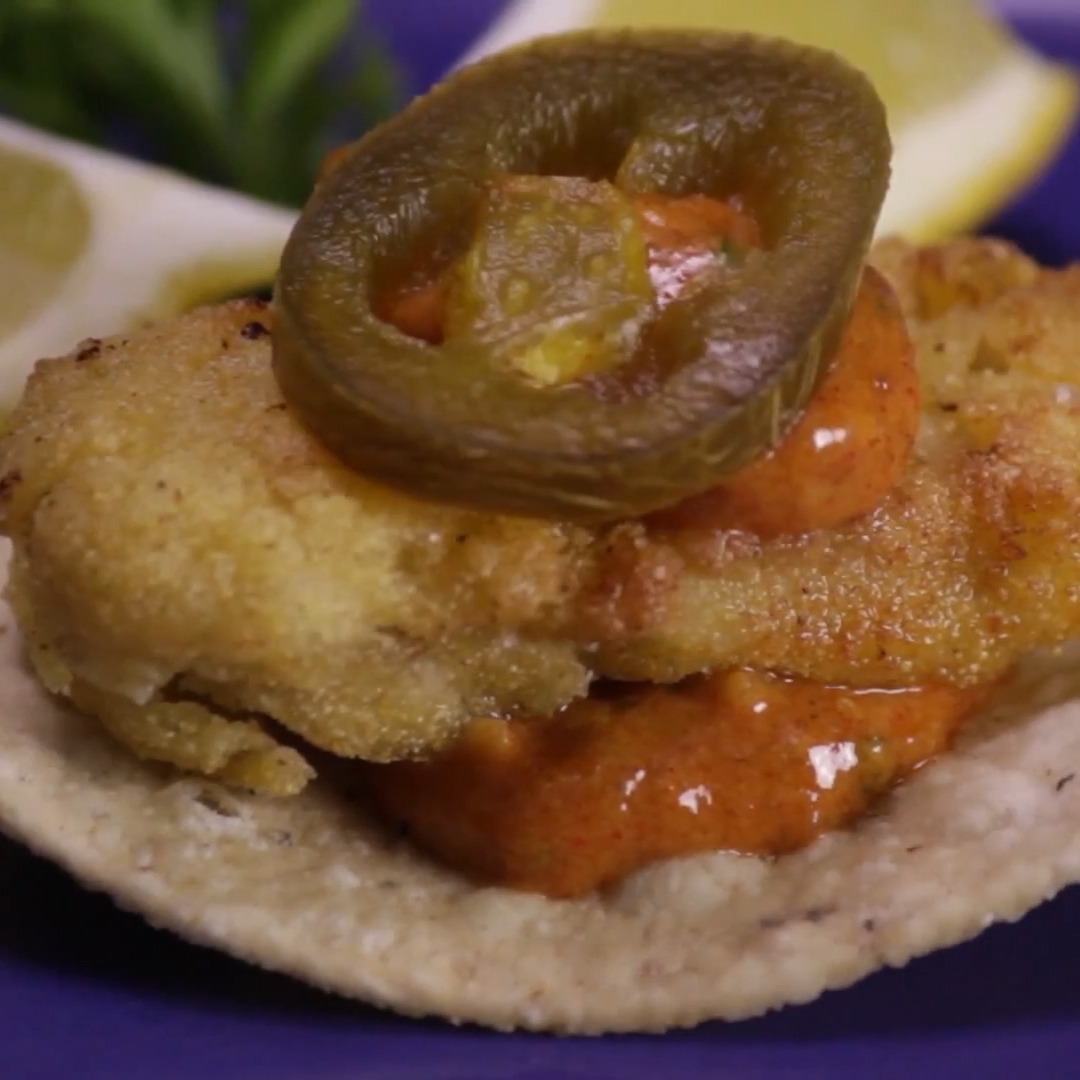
{"x":737,"y":761}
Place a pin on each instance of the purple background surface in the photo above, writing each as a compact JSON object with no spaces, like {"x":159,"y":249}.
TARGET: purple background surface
{"x":89,"y":992}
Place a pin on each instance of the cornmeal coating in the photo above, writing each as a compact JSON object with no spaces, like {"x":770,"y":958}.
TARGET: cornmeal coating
{"x":186,"y":553}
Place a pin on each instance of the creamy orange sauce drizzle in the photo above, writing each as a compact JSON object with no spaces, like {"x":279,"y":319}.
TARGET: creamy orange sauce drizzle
{"x":737,"y":761}
{"x":845,"y":453}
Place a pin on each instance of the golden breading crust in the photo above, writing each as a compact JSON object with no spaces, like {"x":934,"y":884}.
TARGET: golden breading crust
{"x":179,"y":539}
{"x":973,"y":561}
{"x":182,"y":545}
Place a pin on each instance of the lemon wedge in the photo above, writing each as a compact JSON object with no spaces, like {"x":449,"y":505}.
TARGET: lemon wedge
{"x":974,"y":113}
{"x":92,"y":243}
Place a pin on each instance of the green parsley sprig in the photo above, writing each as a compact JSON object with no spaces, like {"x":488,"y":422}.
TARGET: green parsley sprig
{"x":248,"y":94}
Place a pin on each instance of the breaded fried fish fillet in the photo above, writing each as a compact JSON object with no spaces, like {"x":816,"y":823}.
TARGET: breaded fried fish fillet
{"x":188,"y":561}
{"x":973,"y":560}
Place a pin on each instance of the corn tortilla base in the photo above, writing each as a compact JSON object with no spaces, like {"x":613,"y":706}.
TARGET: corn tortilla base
{"x":309,"y":887}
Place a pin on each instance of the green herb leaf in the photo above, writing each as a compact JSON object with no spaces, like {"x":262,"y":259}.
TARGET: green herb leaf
{"x":37,"y":80}
{"x":288,"y":42}
{"x":259,"y":119}
{"x":284,"y":91}
{"x":160,"y":64}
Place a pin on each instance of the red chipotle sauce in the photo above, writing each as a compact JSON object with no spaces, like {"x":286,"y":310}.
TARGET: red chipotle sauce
{"x":736,"y":761}
{"x":739,"y":760}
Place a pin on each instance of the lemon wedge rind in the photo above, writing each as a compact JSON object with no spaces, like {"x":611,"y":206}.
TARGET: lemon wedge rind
{"x":1023,"y":103}
{"x":956,"y":160}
